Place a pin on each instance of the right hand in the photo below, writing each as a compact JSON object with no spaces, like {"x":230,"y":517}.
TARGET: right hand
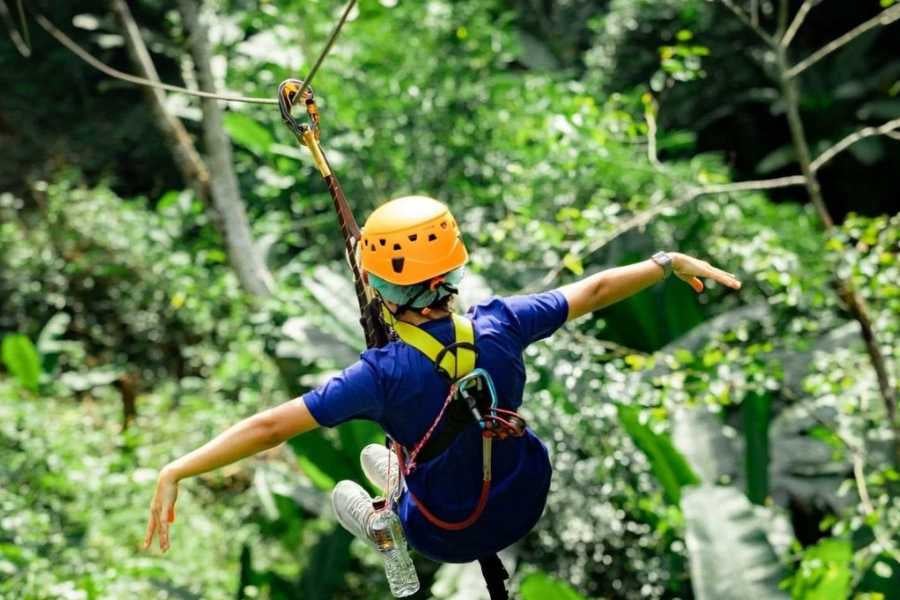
{"x":162,"y":510}
{"x":690,"y":270}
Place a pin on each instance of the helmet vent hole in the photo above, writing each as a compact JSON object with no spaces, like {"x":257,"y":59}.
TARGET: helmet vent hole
{"x":432,"y":237}
{"x":443,"y":224}
{"x":366,"y":242}
{"x":398,"y":247}
{"x":397,"y":264}
{"x":382,"y":241}
{"x":413,"y":237}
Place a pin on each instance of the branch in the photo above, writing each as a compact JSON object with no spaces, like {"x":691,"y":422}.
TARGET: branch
{"x":650,"y":109}
{"x":888,"y":129}
{"x":885,"y":17}
{"x":797,"y":22}
{"x":22,"y":41}
{"x":859,"y":475}
{"x":750,"y":22}
{"x":243,"y":253}
{"x":641,"y":219}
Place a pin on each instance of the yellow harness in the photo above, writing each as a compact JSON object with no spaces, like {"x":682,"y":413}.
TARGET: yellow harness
{"x":455,"y":360}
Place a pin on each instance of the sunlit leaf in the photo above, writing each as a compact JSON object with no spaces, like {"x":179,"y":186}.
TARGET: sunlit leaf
{"x":825,"y":571}
{"x":22,"y":360}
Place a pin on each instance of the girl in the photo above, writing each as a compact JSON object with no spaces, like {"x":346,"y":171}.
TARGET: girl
{"x":413,"y":257}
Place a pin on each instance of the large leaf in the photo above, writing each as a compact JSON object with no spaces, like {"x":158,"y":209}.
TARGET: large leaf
{"x":540,"y":586}
{"x":756,"y":409}
{"x":327,"y":460}
{"x":668,"y":465}
{"x":22,"y":360}
{"x":730,"y":555}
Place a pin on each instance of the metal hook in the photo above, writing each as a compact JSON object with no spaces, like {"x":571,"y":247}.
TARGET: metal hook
{"x":290,"y":93}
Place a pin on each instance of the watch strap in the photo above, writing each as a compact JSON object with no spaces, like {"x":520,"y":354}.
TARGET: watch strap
{"x":664,"y":261}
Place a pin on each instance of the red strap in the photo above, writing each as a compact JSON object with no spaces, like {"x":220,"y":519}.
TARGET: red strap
{"x":457,"y":525}
{"x":437,"y":521}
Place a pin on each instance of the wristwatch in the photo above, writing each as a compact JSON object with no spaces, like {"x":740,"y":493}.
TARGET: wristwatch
{"x":664,"y":261}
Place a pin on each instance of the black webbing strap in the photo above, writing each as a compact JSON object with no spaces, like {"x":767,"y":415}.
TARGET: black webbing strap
{"x":494,"y":576}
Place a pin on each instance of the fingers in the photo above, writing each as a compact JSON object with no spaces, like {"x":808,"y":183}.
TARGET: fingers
{"x":725,"y":278}
{"x":164,"y":535}
{"x":690,"y":269}
{"x":152,"y":524}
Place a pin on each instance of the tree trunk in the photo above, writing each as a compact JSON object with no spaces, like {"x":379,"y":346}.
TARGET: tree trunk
{"x":248,"y":262}
{"x":220,"y":186}
{"x":845,"y":289}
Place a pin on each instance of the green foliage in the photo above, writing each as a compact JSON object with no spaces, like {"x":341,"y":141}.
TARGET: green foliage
{"x":22,"y":360}
{"x":120,"y":276}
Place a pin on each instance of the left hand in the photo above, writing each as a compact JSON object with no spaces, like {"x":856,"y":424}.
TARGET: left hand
{"x":162,"y":510}
{"x":690,"y":270}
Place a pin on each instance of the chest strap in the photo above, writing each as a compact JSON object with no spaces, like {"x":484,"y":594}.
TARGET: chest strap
{"x":454,"y":360}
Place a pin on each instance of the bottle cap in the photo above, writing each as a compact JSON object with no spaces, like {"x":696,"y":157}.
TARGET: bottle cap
{"x":378,"y":502}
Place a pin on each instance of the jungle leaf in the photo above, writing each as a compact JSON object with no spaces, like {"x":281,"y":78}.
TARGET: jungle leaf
{"x":22,"y":360}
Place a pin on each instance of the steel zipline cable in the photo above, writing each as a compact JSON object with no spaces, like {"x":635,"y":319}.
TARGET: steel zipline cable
{"x":87,"y":57}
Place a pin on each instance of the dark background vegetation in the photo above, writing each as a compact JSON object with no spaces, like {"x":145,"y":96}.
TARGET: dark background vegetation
{"x":684,"y":429}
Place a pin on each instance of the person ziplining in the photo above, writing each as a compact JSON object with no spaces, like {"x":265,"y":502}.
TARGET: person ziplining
{"x":464,"y":477}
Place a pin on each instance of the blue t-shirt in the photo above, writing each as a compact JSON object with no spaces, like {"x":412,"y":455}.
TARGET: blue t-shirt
{"x":399,"y":388}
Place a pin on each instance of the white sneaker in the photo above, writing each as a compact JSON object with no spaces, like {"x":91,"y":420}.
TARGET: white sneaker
{"x":376,"y":462}
{"x":353,"y":507}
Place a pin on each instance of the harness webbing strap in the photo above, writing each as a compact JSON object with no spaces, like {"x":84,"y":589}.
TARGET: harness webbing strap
{"x":454,"y":364}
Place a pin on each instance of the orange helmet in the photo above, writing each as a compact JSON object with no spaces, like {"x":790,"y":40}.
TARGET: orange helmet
{"x":410,"y":240}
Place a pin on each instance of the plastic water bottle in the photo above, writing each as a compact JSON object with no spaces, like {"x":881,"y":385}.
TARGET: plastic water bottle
{"x":386,"y":533}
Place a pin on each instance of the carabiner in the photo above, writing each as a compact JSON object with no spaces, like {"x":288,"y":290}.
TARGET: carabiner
{"x":288,"y":96}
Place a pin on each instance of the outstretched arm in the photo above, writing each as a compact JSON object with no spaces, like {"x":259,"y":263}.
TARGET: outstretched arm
{"x":252,"y":435}
{"x":608,"y":287}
